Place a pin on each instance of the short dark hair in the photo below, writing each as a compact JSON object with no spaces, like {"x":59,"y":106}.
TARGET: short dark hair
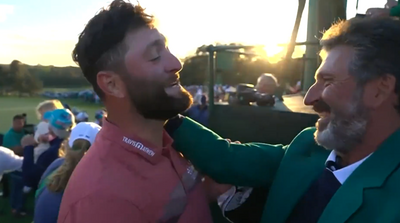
{"x":18,"y":117}
{"x":376,"y":42}
{"x":100,"y":45}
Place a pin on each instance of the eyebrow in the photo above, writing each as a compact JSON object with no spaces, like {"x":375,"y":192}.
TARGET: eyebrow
{"x":323,"y":75}
{"x":158,"y":42}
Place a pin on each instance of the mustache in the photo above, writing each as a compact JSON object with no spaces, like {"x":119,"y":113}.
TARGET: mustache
{"x":172,"y":78}
{"x":321,"y":106}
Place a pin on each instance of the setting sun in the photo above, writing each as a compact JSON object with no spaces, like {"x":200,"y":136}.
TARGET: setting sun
{"x":49,"y":37}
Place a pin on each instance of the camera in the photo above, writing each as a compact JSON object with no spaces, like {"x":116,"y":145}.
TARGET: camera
{"x":358,"y":15}
{"x":246,"y":94}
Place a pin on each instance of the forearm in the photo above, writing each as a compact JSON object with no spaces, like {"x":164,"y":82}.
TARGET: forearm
{"x":19,"y":150}
{"x":395,"y":11}
{"x":251,"y":164}
{"x":9,"y":161}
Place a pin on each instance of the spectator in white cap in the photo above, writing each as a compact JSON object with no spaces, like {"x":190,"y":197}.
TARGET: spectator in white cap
{"x":82,"y":117}
{"x":55,"y":178}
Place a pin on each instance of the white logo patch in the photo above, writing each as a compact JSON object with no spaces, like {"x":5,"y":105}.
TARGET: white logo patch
{"x":138,"y":145}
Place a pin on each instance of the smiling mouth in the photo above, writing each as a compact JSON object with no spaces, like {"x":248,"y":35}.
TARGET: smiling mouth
{"x":323,"y":115}
{"x":175,"y":83}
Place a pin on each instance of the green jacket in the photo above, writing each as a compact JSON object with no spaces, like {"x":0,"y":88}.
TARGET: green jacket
{"x":395,"y":11}
{"x":370,"y":194}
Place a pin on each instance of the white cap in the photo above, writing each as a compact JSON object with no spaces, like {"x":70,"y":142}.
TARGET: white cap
{"x":84,"y":130}
{"x":81,"y":116}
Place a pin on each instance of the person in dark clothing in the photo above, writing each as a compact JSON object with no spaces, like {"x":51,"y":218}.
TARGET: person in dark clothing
{"x":12,"y":140}
{"x":60,"y":123}
{"x":55,"y":179}
{"x":199,"y":112}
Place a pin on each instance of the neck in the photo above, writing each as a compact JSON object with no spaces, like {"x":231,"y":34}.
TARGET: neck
{"x":134,"y":124}
{"x":377,"y":132}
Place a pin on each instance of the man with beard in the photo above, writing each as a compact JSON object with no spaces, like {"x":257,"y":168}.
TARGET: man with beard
{"x":131,"y":173}
{"x":352,"y":173}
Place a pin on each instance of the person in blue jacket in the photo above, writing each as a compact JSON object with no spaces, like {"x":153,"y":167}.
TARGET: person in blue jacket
{"x":55,"y":178}
{"x":61,"y":121}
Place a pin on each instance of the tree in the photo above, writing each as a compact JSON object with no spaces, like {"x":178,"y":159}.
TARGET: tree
{"x":194,"y":71}
{"x":21,"y":80}
{"x":246,"y":67}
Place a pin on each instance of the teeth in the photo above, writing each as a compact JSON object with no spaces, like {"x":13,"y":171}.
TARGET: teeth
{"x":324,"y":114}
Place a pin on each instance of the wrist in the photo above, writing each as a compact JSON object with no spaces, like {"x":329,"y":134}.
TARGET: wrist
{"x":173,"y":124}
{"x":395,"y":11}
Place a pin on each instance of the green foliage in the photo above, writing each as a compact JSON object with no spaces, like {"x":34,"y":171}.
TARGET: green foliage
{"x":25,"y":79}
{"x":237,"y":67}
{"x":11,"y":106}
{"x":232,"y":68}
{"x":17,"y":78}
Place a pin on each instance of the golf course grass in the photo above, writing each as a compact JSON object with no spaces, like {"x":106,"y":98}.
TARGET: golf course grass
{"x":10,"y":106}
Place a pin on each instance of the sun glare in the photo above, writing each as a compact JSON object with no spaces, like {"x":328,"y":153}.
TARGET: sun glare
{"x":273,"y":49}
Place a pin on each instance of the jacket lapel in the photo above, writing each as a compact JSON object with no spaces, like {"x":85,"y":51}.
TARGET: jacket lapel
{"x":291,"y":182}
{"x":372,"y":173}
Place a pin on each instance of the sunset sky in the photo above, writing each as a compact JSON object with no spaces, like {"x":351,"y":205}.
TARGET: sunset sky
{"x":45,"y":31}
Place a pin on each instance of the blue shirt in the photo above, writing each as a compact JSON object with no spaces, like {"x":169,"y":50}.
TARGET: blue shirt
{"x":12,"y":138}
{"x":199,"y":114}
{"x":47,"y":204}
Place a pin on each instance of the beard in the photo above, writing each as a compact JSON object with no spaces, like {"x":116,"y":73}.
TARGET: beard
{"x":344,"y":129}
{"x":150,"y":99}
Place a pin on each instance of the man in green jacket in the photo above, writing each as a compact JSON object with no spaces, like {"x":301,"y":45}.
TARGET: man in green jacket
{"x":347,"y":169}
{"x":392,"y":8}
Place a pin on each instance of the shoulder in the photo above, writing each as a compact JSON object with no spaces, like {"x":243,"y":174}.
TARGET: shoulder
{"x":107,"y":183}
{"x":10,"y":134}
{"x":99,"y":208}
{"x":304,"y":140}
{"x":55,"y":164}
{"x":192,"y":108}
{"x":306,"y":134}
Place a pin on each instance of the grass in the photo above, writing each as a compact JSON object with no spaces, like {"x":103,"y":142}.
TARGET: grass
{"x":65,"y":89}
{"x":10,"y":106}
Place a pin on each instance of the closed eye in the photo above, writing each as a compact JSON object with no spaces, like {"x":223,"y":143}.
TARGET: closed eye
{"x":327,"y":79}
{"x":155,"y":59}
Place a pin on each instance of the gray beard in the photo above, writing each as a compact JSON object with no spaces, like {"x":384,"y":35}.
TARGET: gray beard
{"x":345,"y":130}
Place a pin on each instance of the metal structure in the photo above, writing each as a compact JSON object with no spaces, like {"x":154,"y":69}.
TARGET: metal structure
{"x":287,"y":118}
{"x":212,"y":50}
{"x":321,"y":14}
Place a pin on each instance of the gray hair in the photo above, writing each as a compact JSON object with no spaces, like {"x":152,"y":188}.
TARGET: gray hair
{"x":376,"y":42}
{"x":267,"y":76}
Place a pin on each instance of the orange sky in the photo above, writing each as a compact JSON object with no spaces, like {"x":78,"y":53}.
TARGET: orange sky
{"x":49,"y":37}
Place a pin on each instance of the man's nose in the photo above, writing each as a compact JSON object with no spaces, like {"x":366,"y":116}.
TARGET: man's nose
{"x":174,"y":65}
{"x":313,"y":95}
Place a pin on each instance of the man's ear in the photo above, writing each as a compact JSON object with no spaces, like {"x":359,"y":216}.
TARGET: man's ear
{"x":378,"y":91}
{"x":111,"y":84}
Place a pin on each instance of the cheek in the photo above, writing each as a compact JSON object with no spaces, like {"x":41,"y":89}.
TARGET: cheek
{"x":135,"y":65}
{"x":333,"y":95}
{"x":338,"y":96}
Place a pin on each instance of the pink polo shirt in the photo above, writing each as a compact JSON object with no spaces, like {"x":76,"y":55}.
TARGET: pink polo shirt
{"x":124,"y":179}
